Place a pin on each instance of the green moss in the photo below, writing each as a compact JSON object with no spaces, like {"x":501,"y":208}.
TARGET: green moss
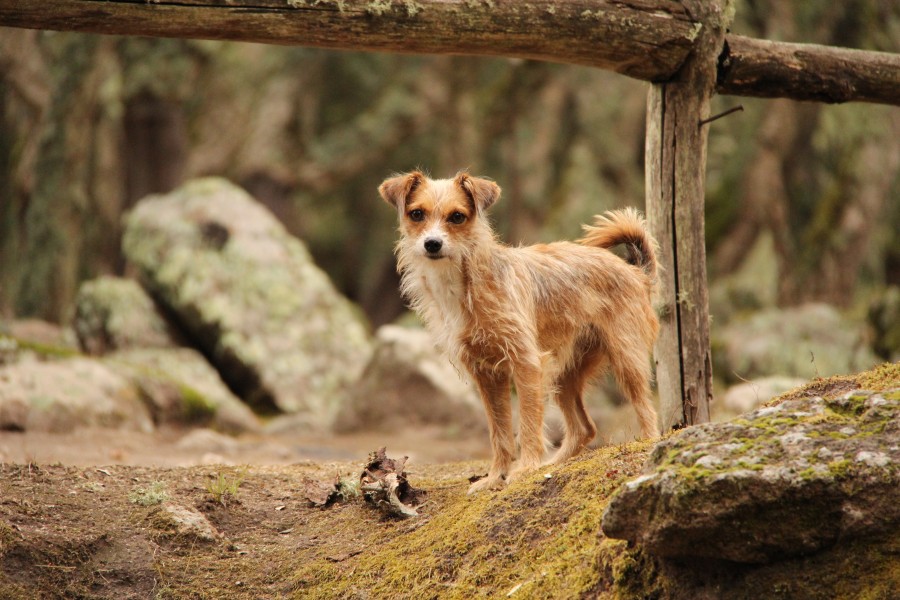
{"x":539,"y":537}
{"x":43,"y":350}
{"x":630,"y":572}
{"x":378,"y":7}
{"x":195,"y":406}
{"x":151,"y":495}
{"x":849,"y":406}
{"x":8,"y":537}
{"x":341,"y":5}
{"x":882,"y":378}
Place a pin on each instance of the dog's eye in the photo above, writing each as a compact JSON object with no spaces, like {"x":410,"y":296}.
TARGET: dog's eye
{"x":416,"y":214}
{"x":457,"y":218}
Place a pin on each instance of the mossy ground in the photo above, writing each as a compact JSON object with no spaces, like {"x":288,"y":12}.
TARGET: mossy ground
{"x":60,"y":526}
{"x":882,"y":378}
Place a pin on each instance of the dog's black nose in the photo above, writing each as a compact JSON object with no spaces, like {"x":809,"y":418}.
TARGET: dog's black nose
{"x":433,"y":245}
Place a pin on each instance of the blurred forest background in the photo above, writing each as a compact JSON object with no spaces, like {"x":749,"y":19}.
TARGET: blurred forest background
{"x":801,"y":199}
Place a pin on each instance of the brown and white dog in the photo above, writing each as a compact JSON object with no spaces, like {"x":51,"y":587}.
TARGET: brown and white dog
{"x":548,"y":318}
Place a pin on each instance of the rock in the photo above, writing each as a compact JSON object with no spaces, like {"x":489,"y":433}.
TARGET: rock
{"x":180,"y":386}
{"x":61,"y":395}
{"x":807,"y":341}
{"x":784,"y":481}
{"x":181,"y":521}
{"x":207,"y":441}
{"x":33,"y":339}
{"x":40,"y":333}
{"x":112,"y":313}
{"x":748,"y":395}
{"x":250,"y":295}
{"x":409,"y":382}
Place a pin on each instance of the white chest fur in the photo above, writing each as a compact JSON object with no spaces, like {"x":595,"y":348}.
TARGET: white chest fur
{"x":438,"y":295}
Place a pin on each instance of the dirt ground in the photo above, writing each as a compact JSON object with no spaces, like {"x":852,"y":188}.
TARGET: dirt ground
{"x":183,"y":447}
{"x":99,"y":532}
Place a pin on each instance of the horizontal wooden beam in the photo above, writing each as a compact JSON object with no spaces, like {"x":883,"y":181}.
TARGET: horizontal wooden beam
{"x":645,"y":39}
{"x":751,"y":67}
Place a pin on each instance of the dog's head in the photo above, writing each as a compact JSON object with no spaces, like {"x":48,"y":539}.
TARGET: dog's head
{"x":440,"y":218}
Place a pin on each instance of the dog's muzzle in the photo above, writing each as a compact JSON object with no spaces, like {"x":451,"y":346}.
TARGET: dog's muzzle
{"x":433,"y":247}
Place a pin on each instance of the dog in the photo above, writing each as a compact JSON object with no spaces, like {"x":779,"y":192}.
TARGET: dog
{"x":548,"y":318}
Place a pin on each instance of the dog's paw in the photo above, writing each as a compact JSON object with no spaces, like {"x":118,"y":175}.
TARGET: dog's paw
{"x":522,"y":469}
{"x":491,"y":482}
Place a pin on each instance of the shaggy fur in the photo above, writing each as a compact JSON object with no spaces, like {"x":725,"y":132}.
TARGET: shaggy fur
{"x":548,"y":318}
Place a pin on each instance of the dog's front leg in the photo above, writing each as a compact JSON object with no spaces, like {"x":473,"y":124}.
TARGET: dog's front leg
{"x":493,"y":385}
{"x":528,"y":379}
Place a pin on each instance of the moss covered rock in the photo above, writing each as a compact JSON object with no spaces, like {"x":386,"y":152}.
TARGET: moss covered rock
{"x":112,"y":313}
{"x":785,"y":480}
{"x":250,"y":295}
{"x":180,"y":386}
{"x":66,"y":394}
{"x":812,"y":340}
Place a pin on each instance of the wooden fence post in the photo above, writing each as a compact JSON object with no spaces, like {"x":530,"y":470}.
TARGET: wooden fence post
{"x":675,"y":175}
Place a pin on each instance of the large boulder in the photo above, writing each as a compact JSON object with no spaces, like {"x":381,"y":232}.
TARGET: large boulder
{"x":749,"y":395}
{"x":180,"y":386}
{"x":117,"y":318}
{"x":409,"y":382}
{"x":33,"y":339}
{"x":785,"y":480}
{"x":62,"y":395}
{"x":250,"y":295}
{"x":812,"y":340}
{"x":112,"y":313}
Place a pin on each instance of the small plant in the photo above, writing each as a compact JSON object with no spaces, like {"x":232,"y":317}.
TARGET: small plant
{"x":347,"y":488}
{"x":154,"y":494}
{"x":223,"y":488}
{"x":92,"y":486}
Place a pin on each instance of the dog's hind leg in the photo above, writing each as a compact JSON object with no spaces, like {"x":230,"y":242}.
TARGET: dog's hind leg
{"x":632,"y":372}
{"x":580,"y":428}
{"x":493,"y":385}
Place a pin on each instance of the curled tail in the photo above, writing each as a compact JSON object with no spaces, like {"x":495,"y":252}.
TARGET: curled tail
{"x":627,"y":227}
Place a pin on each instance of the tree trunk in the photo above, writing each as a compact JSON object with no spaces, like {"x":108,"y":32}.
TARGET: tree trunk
{"x":675,"y":176}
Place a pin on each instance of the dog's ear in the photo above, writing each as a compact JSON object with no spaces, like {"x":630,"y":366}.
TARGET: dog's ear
{"x":396,"y":190}
{"x":483,"y":192}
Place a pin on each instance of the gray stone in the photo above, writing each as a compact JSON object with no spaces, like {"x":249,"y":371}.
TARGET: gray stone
{"x":62,"y":395}
{"x":812,"y":340}
{"x":409,"y":382}
{"x":207,"y":441}
{"x":783,"y":481}
{"x":250,"y":295}
{"x":184,"y":522}
{"x":112,"y":313}
{"x":34,"y":339}
{"x":748,"y":395}
{"x":180,"y":386}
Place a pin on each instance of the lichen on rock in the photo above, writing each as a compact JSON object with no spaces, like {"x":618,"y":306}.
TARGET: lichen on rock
{"x":250,"y":295}
{"x":112,"y":313}
{"x":784,"y":480}
{"x":180,"y":386}
{"x":62,"y":395}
